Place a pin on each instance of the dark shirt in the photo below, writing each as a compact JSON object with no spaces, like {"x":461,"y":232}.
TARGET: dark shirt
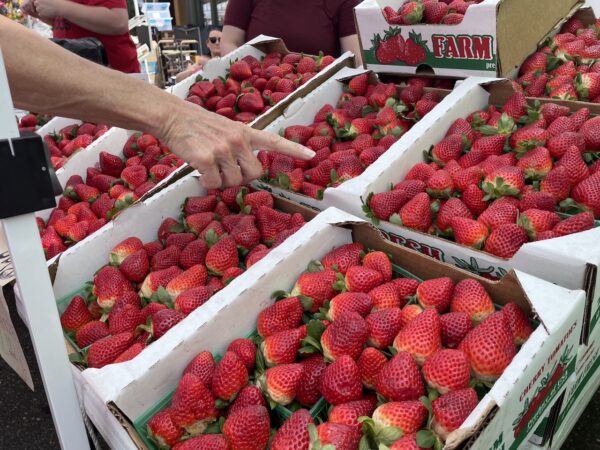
{"x":307,"y":26}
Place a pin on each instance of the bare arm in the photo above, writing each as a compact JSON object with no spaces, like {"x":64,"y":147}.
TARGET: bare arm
{"x":94,"y":18}
{"x":71,"y":86}
{"x":351,"y":44}
{"x":232,"y":38}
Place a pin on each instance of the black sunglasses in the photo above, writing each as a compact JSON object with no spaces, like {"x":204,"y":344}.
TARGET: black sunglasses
{"x":214,"y":40}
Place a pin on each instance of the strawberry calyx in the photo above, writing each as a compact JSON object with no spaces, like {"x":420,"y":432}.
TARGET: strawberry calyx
{"x":506,"y":126}
{"x":367,"y":209}
{"x":312,"y":342}
{"x":315,"y":441}
{"x":375,"y":435}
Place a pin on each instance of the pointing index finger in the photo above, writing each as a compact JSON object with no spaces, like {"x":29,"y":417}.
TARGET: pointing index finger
{"x":273,"y":142}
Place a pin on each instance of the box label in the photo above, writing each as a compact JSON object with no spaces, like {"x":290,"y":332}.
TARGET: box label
{"x":445,"y":51}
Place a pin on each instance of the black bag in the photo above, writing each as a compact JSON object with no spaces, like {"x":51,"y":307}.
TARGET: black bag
{"x":88,"y":48}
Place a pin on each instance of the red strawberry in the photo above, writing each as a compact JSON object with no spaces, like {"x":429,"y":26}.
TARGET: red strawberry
{"x":586,"y":195}
{"x":383,"y":205}
{"x":282,"y":315}
{"x":537,"y":200}
{"x":106,"y":350}
{"x":470,"y":297}
{"x":195,"y":205}
{"x":518,"y":322}
{"x":188,"y":301}
{"x":535,"y":221}
{"x":451,"y":410}
{"x":447,"y":370}
{"x":346,"y":336}
{"x":455,"y":326}
{"x":249,"y":396}
{"x":308,"y":390}
{"x":422,"y":337}
{"x":420,"y":171}
{"x":349,"y":301}
{"x":557,"y":183}
{"x":203,"y":367}
{"x":505,"y":240}
{"x":240,"y":70}
{"x":576,"y":167}
{"x":515,"y":106}
{"x":317,"y":286}
{"x":407,"y":416}
{"x":436,"y":293}
{"x":469,"y":232}
{"x":109,"y":284}
{"x":136,"y":266}
{"x":76,"y":315}
{"x":508,"y":180}
{"x":293,"y":434}
{"x":384,"y":326}
{"x":248,"y":428}
{"x":341,"y":381}
{"x":222,"y":255}
{"x":490,"y":347}
{"x":343,"y":257}
{"x":416,"y":213}
{"x":575,"y":224}
{"x":370,"y":363}
{"x":193,"y":277}
{"x":126,"y":318}
{"x":193,"y":405}
{"x":163,"y":430}
{"x":281,"y":383}
{"x":205,"y":442}
{"x":336,"y":435}
{"x":163,"y":321}
{"x":362,"y":279}
{"x":449,"y":148}
{"x":282,"y":347}
{"x":271,"y":222}
{"x":166,"y":258}
{"x":399,"y":379}
{"x":91,"y":332}
{"x":111,"y":164}
{"x":229,"y":376}
{"x":349,"y":413}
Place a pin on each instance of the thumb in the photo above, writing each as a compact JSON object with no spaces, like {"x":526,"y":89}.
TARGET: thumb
{"x":275,"y":143}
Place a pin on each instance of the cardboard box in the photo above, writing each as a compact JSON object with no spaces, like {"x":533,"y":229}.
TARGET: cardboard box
{"x":302,"y":112}
{"x":570,"y":261}
{"x":259,"y":47}
{"x":493,"y":39}
{"x":536,"y":376}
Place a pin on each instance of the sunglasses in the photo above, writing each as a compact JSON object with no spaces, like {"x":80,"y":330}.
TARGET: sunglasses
{"x":214,"y":40}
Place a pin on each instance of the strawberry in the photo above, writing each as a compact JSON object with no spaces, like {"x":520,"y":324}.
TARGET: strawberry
{"x":576,"y":167}
{"x":248,"y":428}
{"x":469,"y":232}
{"x":557,"y":183}
{"x":110,"y":164}
{"x":380,"y":262}
{"x":470,"y":297}
{"x":505,"y":240}
{"x":188,"y":301}
{"x":589,"y":130}
{"x":385,"y":296}
{"x":384,"y":326}
{"x":128,"y":298}
{"x":282,"y":315}
{"x":166,"y":258}
{"x":420,"y":171}
{"x":455,"y":326}
{"x":192,"y":407}
{"x":76,"y":315}
{"x":588,"y":85}
{"x":106,"y":350}
{"x":412,"y":187}
{"x":499,"y":213}
{"x":282,"y":347}
{"x":346,"y":336}
{"x":270,"y":223}
{"x":317,"y":286}
{"x":537,"y":200}
{"x":109,"y":284}
{"x":358,"y":85}
{"x":440,"y":185}
{"x":157,"y":279}
{"x":362,"y":279}
{"x":308,"y":390}
{"x":126,"y":318}
{"x":408,"y":416}
{"x":180,"y":240}
{"x":449,"y":210}
{"x":535,"y":221}
{"x":450,"y":410}
{"x":575,"y":224}
{"x":240,"y":70}
{"x":490,"y":347}
{"x":293,"y":434}
{"x":205,"y":442}
{"x":196,"y":223}
{"x":349,"y":413}
{"x":163,"y":430}
{"x":399,"y":379}
{"x":341,"y":381}
{"x":222,"y":255}
{"x":229,"y":376}
{"x":490,"y":145}
{"x":507,"y":180}
{"x":515,"y":106}
{"x":449,"y":148}
{"x":586,"y":196}
{"x":134,"y":176}
{"x":202,"y":204}
{"x":536,"y":163}
{"x":416,"y":213}
{"x":136,"y":266}
{"x":473,"y":198}
{"x":384,"y":204}
{"x":436,"y":293}
{"x":558,"y":145}
{"x":334,"y":435}
{"x":193,"y":277}
{"x":249,"y":396}
{"x":91,"y":332}
{"x":343,"y":257}
{"x":281,"y":383}
{"x":163,"y":321}
{"x":203,"y":367}
{"x":422,"y":337}
{"x":518,"y":322}
{"x":447,"y":370}
{"x":370,"y":363}
{"x":349,"y":301}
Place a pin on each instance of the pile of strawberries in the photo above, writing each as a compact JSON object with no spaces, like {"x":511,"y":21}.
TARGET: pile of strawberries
{"x":114,"y":184}
{"x":32,"y":121}
{"x":496,"y":184}
{"x":447,"y":12}
{"x":372,"y":345}
{"x":349,"y":137}
{"x":252,"y":87}
{"x":148,"y":288}
{"x":567,"y":66}
{"x":70,"y":139}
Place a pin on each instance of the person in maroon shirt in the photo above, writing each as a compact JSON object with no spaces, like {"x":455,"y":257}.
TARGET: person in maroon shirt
{"x":105,"y":20}
{"x":307,"y":26}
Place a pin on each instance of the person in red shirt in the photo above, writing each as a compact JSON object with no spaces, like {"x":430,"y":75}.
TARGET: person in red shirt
{"x":105,"y":20}
{"x":307,"y":26}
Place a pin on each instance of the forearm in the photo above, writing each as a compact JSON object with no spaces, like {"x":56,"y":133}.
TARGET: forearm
{"x":352,"y":44}
{"x":77,"y":88}
{"x":96,"y":18}
{"x":232,"y":38}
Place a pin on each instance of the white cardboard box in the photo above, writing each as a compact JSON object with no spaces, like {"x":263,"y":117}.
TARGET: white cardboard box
{"x":302,"y":112}
{"x":570,"y":261}
{"x":493,"y":39}
{"x":133,"y":387}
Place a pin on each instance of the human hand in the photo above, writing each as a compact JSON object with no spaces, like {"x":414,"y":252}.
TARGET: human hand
{"x":49,"y":9}
{"x":28,"y":8}
{"x":219,"y":148}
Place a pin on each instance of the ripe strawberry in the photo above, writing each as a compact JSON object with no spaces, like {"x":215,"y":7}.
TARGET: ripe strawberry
{"x":282,"y":347}
{"x":229,"y":376}
{"x":420,"y":171}
{"x":188,"y":301}
{"x":508,"y":180}
{"x":450,"y":410}
{"x":205,"y":442}
{"x":574,"y":224}
{"x":193,"y":405}
{"x":505,"y":240}
{"x":282,"y":315}
{"x":346,"y":336}
{"x":240,"y":70}
{"x":109,"y":284}
{"x":576,"y":167}
{"x":343,"y":257}
{"x":124,"y":319}
{"x":557,"y":183}
{"x":370,"y":363}
{"x":341,"y":381}
{"x":416,"y":213}
{"x":193,"y":277}
{"x":449,"y":148}
{"x":440,"y":185}
{"x":455,"y":326}
{"x":535,"y":221}
{"x":180,"y":239}
{"x":271,"y":222}
{"x":106,"y":350}
{"x":436,"y":293}
{"x":317,"y":286}
{"x":384,"y":326}
{"x":334,"y":435}
{"x":412,"y":187}
{"x":447,"y":370}
{"x":362,"y":279}
{"x":128,"y":298}
{"x":249,"y":396}
{"x":515,"y":106}
{"x":91,"y":332}
{"x":163,"y":430}
{"x":399,"y":379}
{"x":349,"y":301}
{"x":473,"y":198}
{"x":76,"y":315}
{"x":408,"y":416}
{"x":421,"y":337}
{"x":166,"y":258}
{"x":124,"y":249}
{"x":222,"y":255}
{"x":518,"y":322}
{"x":349,"y":413}
{"x":110,"y":164}
{"x":136,"y":266}
{"x":537,"y":200}
{"x":201,"y":204}
{"x":248,"y":428}
{"x":293,"y":434}
{"x":384,"y":204}
{"x":308,"y":390}
{"x":469,"y":232}
{"x":490,"y":347}
{"x":358,"y":85}
{"x":163,"y":321}
{"x":203,"y":367}
{"x":470,"y":297}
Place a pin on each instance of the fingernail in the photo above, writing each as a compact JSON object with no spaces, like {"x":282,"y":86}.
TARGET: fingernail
{"x":308,"y":152}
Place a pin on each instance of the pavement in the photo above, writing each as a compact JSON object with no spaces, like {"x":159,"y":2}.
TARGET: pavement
{"x":26,"y":422}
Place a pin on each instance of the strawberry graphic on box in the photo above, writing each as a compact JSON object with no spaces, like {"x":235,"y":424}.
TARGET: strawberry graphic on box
{"x":393,"y":47}
{"x":415,"y":50}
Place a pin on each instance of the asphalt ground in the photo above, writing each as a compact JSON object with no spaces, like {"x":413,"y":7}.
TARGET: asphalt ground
{"x":26,"y":422}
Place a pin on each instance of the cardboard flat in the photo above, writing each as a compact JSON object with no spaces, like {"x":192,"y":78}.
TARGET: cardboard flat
{"x":570,"y":261}
{"x":494,"y":37}
{"x":302,"y":112}
{"x":132,"y":388}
